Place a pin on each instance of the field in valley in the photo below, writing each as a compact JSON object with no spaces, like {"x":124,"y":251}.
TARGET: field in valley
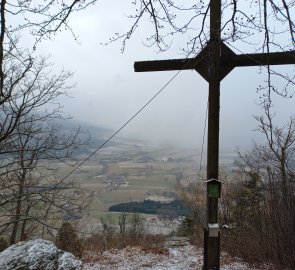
{"x":133,"y":173}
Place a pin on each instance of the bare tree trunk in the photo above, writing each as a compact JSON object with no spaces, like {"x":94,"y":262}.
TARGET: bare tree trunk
{"x":17,"y":216}
{"x":23,"y":235}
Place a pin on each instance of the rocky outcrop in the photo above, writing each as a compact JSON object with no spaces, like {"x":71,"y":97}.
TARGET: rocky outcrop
{"x":37,"y":254}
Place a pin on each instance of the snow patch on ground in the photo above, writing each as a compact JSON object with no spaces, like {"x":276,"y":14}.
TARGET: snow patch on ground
{"x":183,"y":257}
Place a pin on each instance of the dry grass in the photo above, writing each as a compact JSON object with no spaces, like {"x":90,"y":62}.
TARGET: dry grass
{"x":94,"y":246}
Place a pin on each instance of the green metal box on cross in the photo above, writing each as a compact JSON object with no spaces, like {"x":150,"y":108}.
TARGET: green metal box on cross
{"x":213,"y":188}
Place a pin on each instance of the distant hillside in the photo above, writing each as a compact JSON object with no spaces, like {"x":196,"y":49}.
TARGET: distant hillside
{"x":96,"y":132}
{"x":98,"y":135}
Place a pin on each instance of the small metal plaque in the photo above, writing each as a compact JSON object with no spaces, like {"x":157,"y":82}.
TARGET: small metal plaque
{"x":214,"y":190}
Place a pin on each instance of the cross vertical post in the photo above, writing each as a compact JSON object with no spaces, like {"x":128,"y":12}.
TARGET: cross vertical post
{"x":212,"y":254}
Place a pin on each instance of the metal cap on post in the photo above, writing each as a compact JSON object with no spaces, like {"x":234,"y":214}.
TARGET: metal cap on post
{"x":213,"y":229}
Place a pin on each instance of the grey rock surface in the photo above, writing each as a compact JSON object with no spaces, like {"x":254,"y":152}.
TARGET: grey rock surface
{"x":36,"y":255}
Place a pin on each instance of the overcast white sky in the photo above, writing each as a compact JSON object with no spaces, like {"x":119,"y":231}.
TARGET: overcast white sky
{"x":108,"y":92}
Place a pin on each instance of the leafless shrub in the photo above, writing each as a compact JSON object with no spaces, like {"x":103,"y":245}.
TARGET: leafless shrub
{"x":261,"y":215}
{"x":67,"y":239}
{"x":193,"y":226}
{"x":110,"y":238}
{"x":136,"y":228}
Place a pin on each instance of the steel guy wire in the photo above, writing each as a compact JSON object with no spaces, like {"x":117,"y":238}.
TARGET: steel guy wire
{"x":128,"y":121}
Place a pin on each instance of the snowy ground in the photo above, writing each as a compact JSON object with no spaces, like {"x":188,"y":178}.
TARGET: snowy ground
{"x":177,"y":258}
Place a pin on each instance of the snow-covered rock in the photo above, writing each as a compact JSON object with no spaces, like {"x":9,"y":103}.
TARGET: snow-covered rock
{"x":37,"y":254}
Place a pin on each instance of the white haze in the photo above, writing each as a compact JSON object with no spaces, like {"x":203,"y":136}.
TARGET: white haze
{"x":108,"y":92}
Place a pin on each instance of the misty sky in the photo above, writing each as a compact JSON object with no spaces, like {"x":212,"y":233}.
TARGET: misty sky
{"x":108,"y":92}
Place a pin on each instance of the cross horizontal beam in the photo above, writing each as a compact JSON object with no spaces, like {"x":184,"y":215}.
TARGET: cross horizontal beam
{"x":229,"y":61}
{"x":258,"y":59}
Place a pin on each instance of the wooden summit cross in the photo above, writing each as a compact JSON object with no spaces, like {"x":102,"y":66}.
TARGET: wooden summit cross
{"x":213,"y":63}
